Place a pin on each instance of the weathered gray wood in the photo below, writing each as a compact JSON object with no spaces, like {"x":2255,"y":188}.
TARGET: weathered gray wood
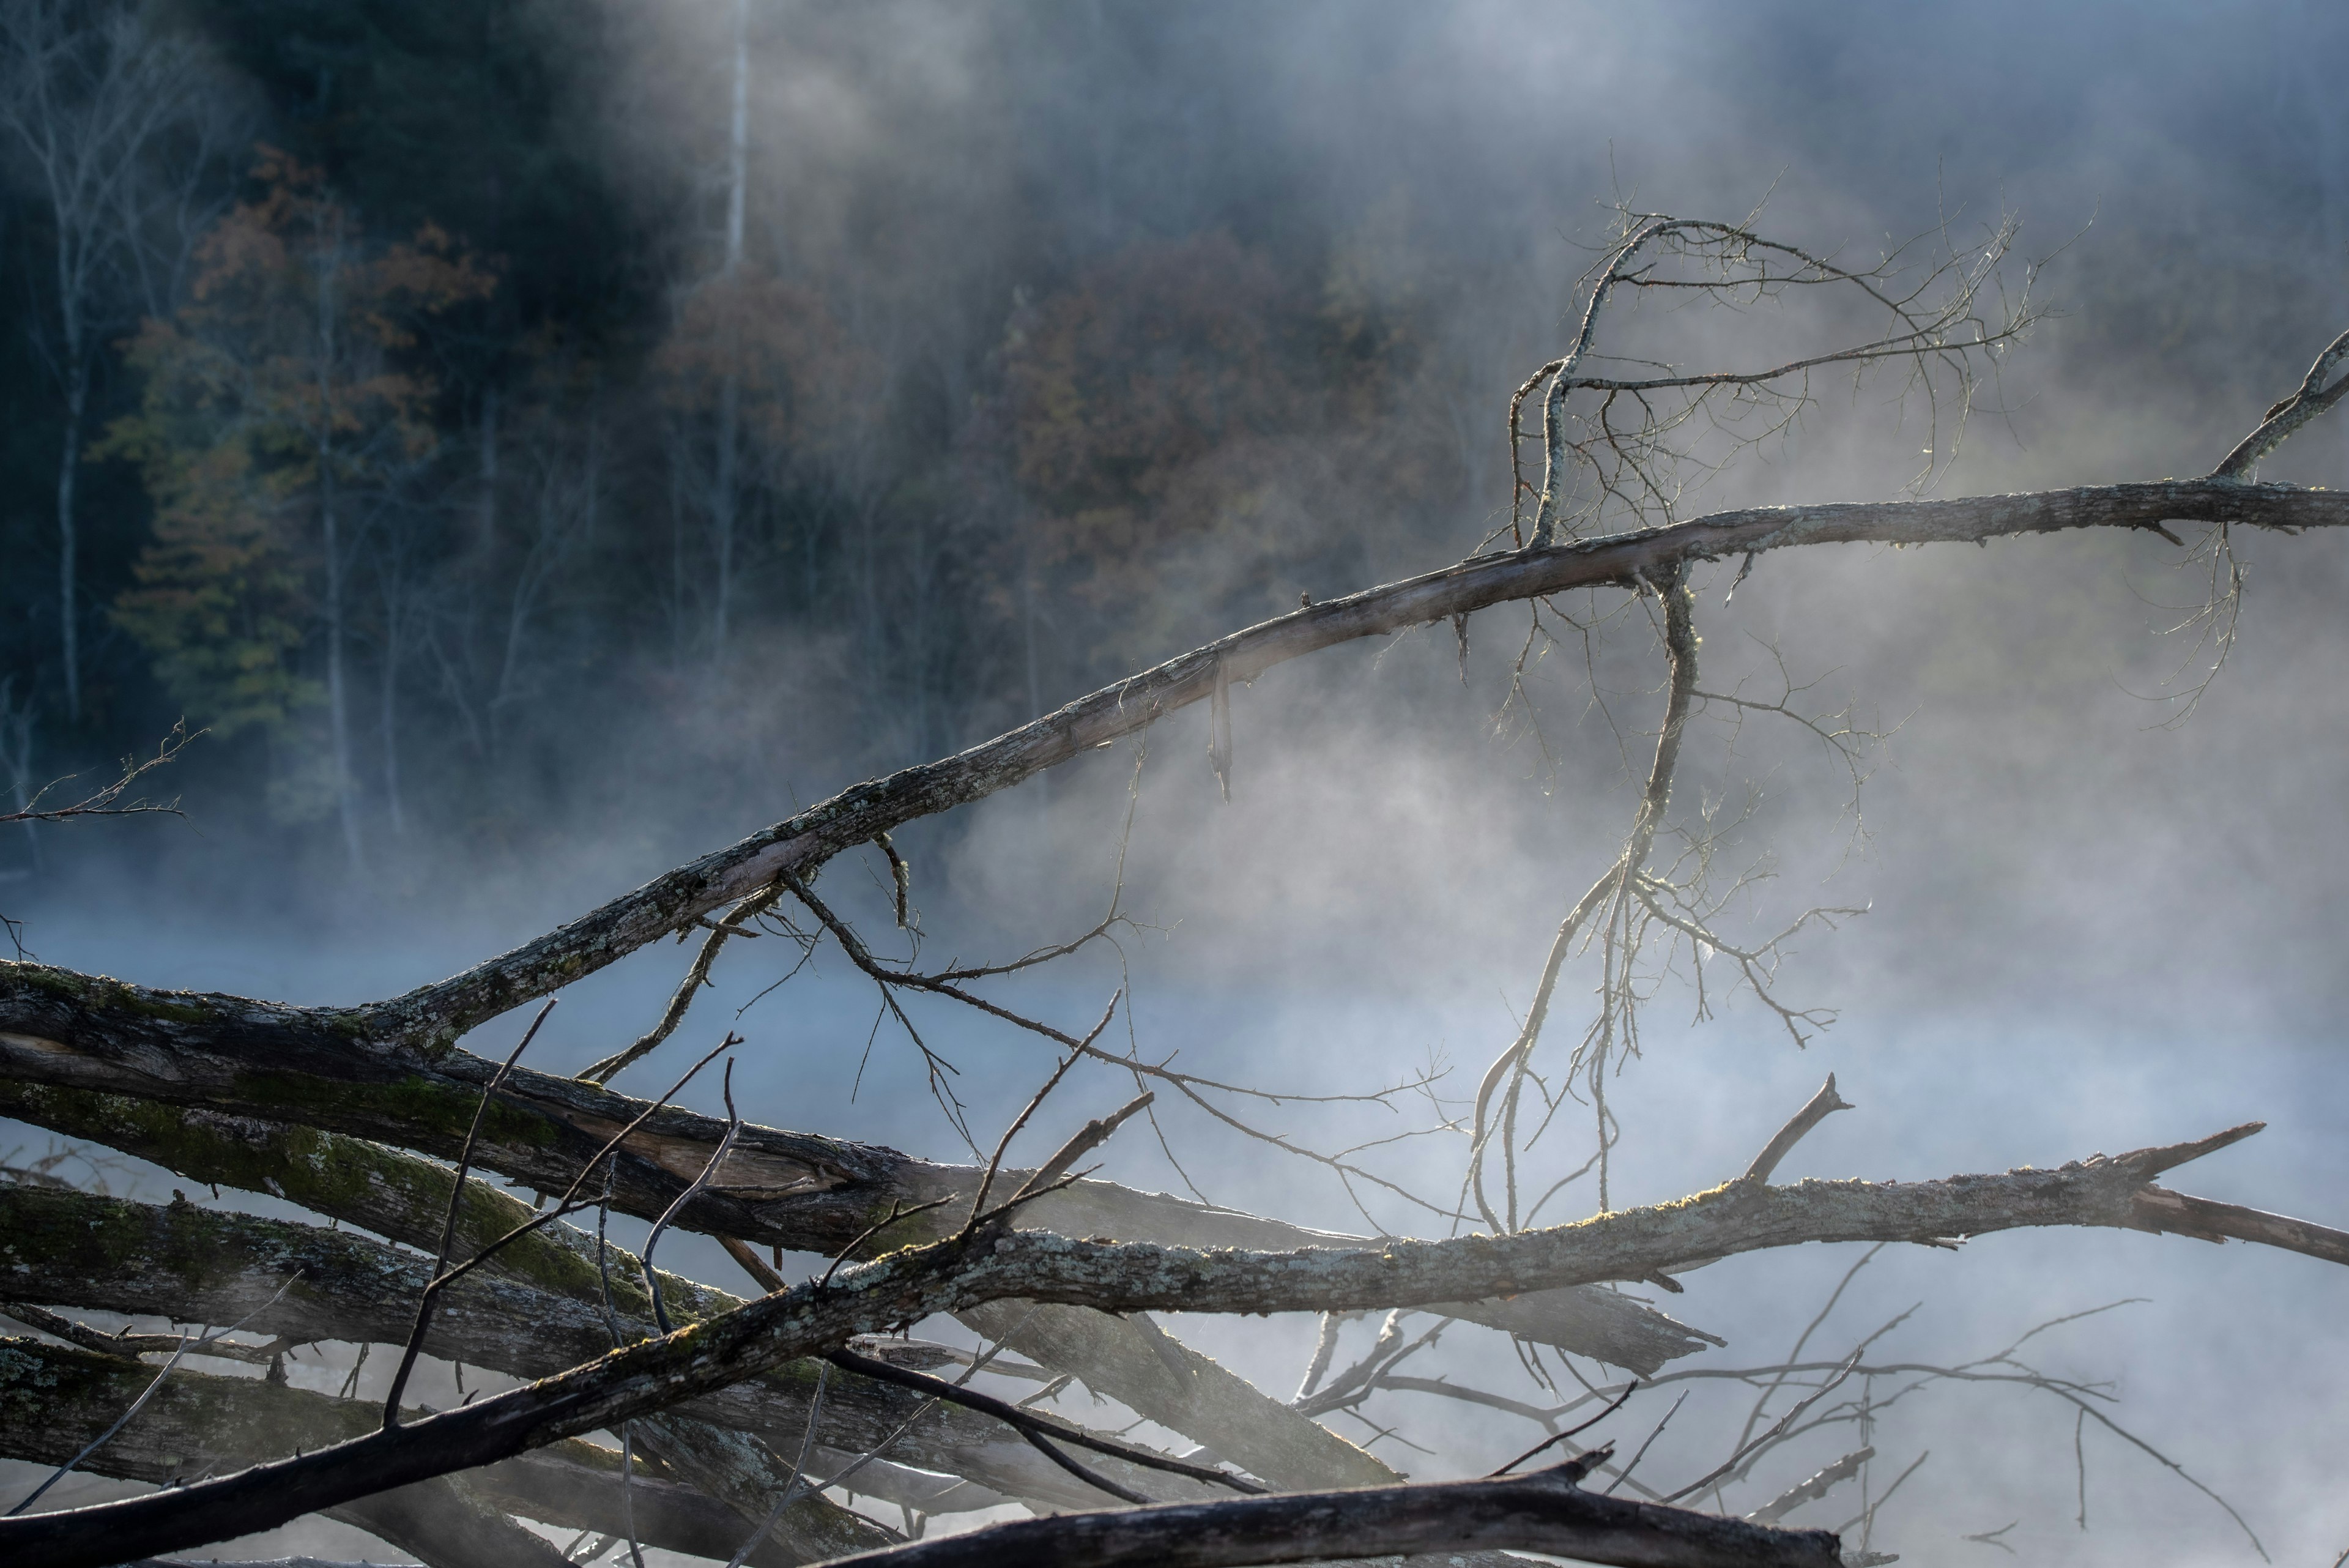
{"x":915,"y":1282}
{"x":77,"y":1250}
{"x":2158,"y":1209}
{"x":225,"y":1141}
{"x":439,"y":1013}
{"x":431,"y":1018}
{"x":1138,"y":1363}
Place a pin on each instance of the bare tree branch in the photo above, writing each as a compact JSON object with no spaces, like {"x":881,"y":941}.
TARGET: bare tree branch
{"x":1820,"y":1106}
{"x":436,"y":1014}
{"x":177,"y":1259}
{"x":108,"y":801}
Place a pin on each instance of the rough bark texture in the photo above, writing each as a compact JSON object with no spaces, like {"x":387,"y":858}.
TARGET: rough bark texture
{"x":1540,"y":1512}
{"x":118,"y":1085}
{"x":74,"y":1250}
{"x":915,"y":1282}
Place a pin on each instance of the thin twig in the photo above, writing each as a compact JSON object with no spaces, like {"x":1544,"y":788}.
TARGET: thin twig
{"x":717,"y":1158}
{"x":146,"y":1394}
{"x":449,"y":1223}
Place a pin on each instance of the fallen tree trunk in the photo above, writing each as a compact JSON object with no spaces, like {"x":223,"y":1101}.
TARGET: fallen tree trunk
{"x":785,"y":1189}
{"x":991,"y":1264}
{"x":55,"y":1400}
{"x":398,"y":1195}
{"x":71,"y":1249}
{"x":1546,"y":1511}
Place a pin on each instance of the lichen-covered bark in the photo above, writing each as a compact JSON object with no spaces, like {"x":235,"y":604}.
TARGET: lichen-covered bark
{"x":361,"y":1183}
{"x":74,"y":1250}
{"x":912,"y":1283}
{"x":357,"y":1182}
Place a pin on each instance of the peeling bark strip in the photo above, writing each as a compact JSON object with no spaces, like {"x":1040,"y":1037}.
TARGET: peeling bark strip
{"x":1540,"y":1512}
{"x":912,"y":1283}
{"x":2158,"y":1209}
{"x":432,"y":1017}
{"x":116,"y":1083}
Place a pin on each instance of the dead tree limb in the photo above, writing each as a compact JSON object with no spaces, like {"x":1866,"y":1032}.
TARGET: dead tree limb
{"x":2311,"y":398}
{"x":108,"y":801}
{"x":914,"y":1283}
{"x":1824,"y":1104}
{"x":1129,"y":1359}
{"x":53,"y":1400}
{"x":437,"y":1014}
{"x":2159,"y":1209}
{"x":431,"y":1018}
{"x":256,"y":1148}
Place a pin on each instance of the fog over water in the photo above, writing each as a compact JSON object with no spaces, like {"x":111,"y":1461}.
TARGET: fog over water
{"x":2086,"y":931}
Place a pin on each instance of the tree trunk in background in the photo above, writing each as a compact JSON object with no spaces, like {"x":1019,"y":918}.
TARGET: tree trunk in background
{"x":722,"y":510}
{"x":488,"y":472}
{"x":339,"y":716}
{"x":723,"y":501}
{"x":395,"y":613}
{"x":68,"y":537}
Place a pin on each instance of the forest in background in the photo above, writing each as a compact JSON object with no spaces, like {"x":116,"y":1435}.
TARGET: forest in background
{"x":466,"y":407}
{"x":490,"y":431}
{"x":1126,"y":326}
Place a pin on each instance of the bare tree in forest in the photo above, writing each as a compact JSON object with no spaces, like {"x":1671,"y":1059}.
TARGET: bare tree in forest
{"x":121,"y":129}
{"x":706,"y":443}
{"x":734,"y":1428}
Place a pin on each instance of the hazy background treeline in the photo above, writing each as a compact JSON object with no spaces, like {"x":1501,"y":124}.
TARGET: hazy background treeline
{"x":478,"y":418}
{"x":499,"y":419}
{"x":1054,"y":338}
